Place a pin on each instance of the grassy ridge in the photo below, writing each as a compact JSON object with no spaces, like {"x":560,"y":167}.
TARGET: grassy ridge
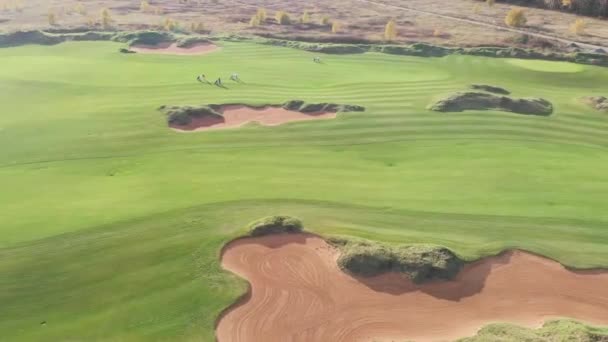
{"x":112,"y":224}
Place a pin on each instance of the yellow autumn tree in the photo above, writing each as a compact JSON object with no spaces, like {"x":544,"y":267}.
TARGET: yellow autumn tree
{"x":255,"y":21}
{"x":52,"y":18}
{"x":390,"y":30}
{"x":106,"y":18}
{"x":579,"y":26}
{"x":305,"y":19}
{"x":282,"y":18}
{"x":335,"y":27}
{"x":516,"y":17}
{"x":261,"y":14}
{"x":144,"y":6}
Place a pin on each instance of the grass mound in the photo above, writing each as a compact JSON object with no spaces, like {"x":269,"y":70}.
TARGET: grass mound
{"x":490,"y":89}
{"x":301,"y":106}
{"x":597,"y":102}
{"x":183,"y":115}
{"x":558,"y":330}
{"x":483,"y":101}
{"x":420,"y":262}
{"x":29,"y":37}
{"x":143,"y":37}
{"x":187,"y":42}
{"x":275,"y":225}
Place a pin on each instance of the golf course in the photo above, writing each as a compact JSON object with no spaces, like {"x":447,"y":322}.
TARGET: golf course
{"x":113,"y":223}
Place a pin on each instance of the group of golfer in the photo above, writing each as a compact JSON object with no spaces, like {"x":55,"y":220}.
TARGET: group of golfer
{"x":234,"y":77}
{"x":203,"y":79}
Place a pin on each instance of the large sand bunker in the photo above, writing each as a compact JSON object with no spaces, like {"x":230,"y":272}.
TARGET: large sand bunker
{"x":299,"y":294}
{"x":237,"y":115}
{"x":169,"y":48}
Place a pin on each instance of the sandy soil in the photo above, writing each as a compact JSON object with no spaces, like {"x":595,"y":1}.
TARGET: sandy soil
{"x":299,"y":294}
{"x":173,"y":49}
{"x":235,"y":116}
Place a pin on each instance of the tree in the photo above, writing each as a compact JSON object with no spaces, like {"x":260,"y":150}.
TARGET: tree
{"x":567,"y":3}
{"x":282,"y":18}
{"x":261,"y":14}
{"x":390,"y":30}
{"x":197,"y":27}
{"x":516,"y":17}
{"x":169,"y":24}
{"x":255,"y":21}
{"x":106,"y":18}
{"x":90,"y":22}
{"x":52,"y":18}
{"x":325,"y":21}
{"x":335,"y":27}
{"x":305,"y":17}
{"x":80,"y":9}
{"x":144,"y":6}
{"x":490,"y":2}
{"x":476,"y":9}
{"x":578,"y":27}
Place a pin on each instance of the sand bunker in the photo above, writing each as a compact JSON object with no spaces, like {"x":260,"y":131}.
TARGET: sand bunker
{"x":169,"y":48}
{"x":237,"y":115}
{"x":299,"y":294}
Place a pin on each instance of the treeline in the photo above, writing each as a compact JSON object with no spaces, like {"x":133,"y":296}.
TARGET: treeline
{"x":595,"y":8}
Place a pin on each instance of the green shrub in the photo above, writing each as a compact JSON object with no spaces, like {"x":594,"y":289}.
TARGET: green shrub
{"x":275,"y":225}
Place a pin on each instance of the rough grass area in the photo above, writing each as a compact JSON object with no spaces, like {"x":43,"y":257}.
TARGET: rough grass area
{"x":415,"y":49}
{"x":304,"y":107}
{"x":420,"y":262}
{"x":490,"y":89}
{"x":552,"y":331}
{"x":597,"y":102}
{"x":143,"y":37}
{"x":183,"y":115}
{"x":275,"y":225}
{"x":483,"y":101}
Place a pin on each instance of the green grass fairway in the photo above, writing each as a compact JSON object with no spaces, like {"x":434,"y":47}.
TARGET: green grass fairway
{"x":111,"y":223}
{"x":547,"y":66}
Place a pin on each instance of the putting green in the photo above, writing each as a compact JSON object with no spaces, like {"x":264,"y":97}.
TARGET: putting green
{"x":112,"y":223}
{"x":546,"y":66}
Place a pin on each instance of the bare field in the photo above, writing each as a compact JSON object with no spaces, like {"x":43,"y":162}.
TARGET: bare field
{"x":431,"y":21}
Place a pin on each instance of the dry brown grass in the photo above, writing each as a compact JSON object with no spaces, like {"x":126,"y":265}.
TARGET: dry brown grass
{"x":359,"y":20}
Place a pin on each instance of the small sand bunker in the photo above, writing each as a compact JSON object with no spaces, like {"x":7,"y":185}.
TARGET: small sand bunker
{"x":236,"y":116}
{"x":169,"y":48}
{"x":298,"y":293}
{"x":219,"y":116}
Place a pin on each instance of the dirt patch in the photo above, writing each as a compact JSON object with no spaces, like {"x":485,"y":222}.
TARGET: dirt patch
{"x":483,"y":101}
{"x":168,"y":48}
{"x":597,"y":102}
{"x":298,"y":293}
{"x":236,"y":116}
